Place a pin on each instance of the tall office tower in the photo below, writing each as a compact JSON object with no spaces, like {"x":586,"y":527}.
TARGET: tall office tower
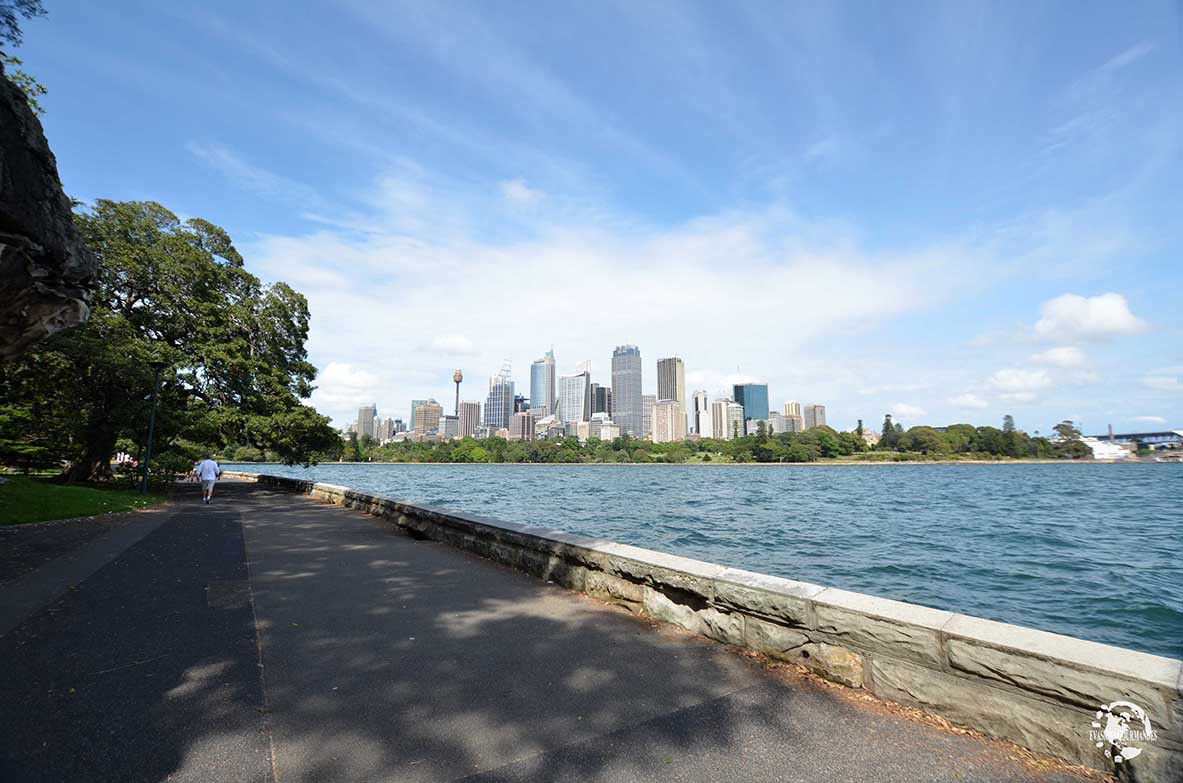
{"x":377,"y":427}
{"x":792,"y":408}
{"x":575,"y":397}
{"x":385,"y":430}
{"x":815,"y":416}
{"x":794,"y":423}
{"x":647,"y":403}
{"x":399,"y":426}
{"x":414,"y":404}
{"x":449,"y":427}
{"x":735,"y":419}
{"x":669,"y":422}
{"x":776,"y":422}
{"x":702,"y":412}
{"x":427,"y":417}
{"x":626,"y":390}
{"x":365,"y":419}
{"x":470,"y":418}
{"x":542,"y":385}
{"x":601,"y":399}
{"x":521,"y":426}
{"x":719,"y":413}
{"x":520,"y":403}
{"x":671,"y":380}
{"x":499,"y":405}
{"x":754,"y":399}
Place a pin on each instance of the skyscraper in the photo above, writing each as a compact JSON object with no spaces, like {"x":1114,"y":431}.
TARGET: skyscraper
{"x":726,"y":419}
{"x":754,"y":399}
{"x":702,"y":413}
{"x":626,"y":389}
{"x":647,"y":403}
{"x":521,"y":426}
{"x":669,"y":422}
{"x":365,"y":419}
{"x":792,"y":408}
{"x":470,"y":418}
{"x":671,"y":380}
{"x":542,"y":385}
{"x":575,"y":397}
{"x":815,"y":416}
{"x":499,"y":404}
{"x":427,"y":417}
{"x":601,"y":399}
{"x":414,"y":404}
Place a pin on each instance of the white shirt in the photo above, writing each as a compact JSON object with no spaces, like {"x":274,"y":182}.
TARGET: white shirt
{"x":208,"y":470}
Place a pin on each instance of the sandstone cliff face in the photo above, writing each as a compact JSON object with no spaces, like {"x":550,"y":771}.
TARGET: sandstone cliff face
{"x":46,"y":273}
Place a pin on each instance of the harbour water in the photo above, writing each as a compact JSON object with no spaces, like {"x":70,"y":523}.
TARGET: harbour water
{"x":1089,"y":550}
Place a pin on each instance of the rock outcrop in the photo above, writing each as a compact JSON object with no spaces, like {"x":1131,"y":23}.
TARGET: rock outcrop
{"x":46,"y":273}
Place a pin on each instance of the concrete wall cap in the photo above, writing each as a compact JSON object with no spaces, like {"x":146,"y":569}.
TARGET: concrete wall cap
{"x":884,"y":608}
{"x":1153,"y":669}
{"x":651,"y":557}
{"x":771,"y":584}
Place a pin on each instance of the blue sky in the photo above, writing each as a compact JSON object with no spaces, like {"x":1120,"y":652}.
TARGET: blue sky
{"x":949,"y":211}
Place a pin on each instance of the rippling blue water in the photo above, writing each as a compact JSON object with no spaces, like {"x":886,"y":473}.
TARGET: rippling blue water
{"x":1093,"y":551}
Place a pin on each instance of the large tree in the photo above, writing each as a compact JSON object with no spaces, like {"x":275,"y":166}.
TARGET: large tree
{"x":176,"y":292}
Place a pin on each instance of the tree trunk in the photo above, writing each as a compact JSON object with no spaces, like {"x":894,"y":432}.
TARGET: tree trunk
{"x":95,"y":464}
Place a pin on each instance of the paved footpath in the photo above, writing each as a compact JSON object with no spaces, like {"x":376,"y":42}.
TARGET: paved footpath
{"x":267,"y":637}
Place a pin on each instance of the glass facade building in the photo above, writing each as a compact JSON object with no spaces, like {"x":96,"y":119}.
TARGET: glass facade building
{"x":754,"y":399}
{"x":626,"y":389}
{"x":499,"y":404}
{"x":542,"y":385}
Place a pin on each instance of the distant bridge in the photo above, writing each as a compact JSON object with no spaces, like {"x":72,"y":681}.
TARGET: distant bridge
{"x":1169,"y":439}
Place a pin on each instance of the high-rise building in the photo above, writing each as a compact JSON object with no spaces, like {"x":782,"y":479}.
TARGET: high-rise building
{"x":647,"y":403}
{"x":626,"y":389}
{"x":542,"y":385}
{"x":794,"y":424}
{"x":521,"y":426}
{"x":726,"y":419}
{"x":414,"y":404}
{"x":575,"y":397}
{"x":601,"y":399}
{"x":470,"y":418}
{"x":427,"y":417}
{"x":365,"y":419}
{"x":449,"y":427}
{"x":499,"y":404}
{"x":776,"y":423}
{"x":815,"y":416}
{"x":386,"y":430}
{"x":671,"y":380}
{"x":792,"y":408}
{"x":702,"y":413}
{"x":669,"y":422}
{"x":520,"y":403}
{"x":754,"y":399}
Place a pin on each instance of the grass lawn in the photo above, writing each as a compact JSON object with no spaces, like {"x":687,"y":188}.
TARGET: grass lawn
{"x":36,"y":499}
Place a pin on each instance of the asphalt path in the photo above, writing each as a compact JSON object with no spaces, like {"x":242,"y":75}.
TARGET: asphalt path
{"x":268,"y":637}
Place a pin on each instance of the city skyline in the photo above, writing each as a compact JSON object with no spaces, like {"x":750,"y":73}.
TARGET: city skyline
{"x":705,"y":419}
{"x":949,"y":216}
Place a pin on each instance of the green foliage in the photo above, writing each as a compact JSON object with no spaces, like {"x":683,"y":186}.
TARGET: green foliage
{"x":27,"y":84}
{"x":175,"y":292}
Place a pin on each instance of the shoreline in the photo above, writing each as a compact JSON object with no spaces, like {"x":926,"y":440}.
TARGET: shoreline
{"x":818,"y":463}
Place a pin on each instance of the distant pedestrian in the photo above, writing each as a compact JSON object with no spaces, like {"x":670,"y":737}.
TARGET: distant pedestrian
{"x":207,"y":472}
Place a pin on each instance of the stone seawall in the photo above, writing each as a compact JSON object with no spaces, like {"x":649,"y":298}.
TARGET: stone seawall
{"x":1037,"y":689}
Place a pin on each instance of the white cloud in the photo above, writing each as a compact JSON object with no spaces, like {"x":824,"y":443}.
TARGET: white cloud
{"x":1168,"y":379}
{"x":902,"y":410}
{"x":1150,"y":419}
{"x":1012,"y":380}
{"x":452,"y":345}
{"x":339,"y":384}
{"x":1064,"y":357}
{"x":518,"y":191}
{"x":968,"y":400}
{"x":1073,"y":318}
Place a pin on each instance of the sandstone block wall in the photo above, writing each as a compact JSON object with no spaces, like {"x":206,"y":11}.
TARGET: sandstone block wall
{"x":1036,"y":689}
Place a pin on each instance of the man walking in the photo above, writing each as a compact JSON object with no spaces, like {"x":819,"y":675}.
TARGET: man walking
{"x":207,"y":473}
